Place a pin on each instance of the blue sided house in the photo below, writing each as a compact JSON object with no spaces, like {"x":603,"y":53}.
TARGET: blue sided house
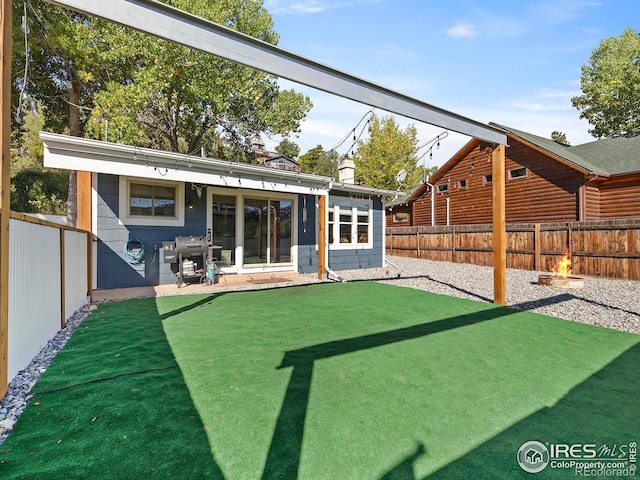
{"x":159,"y":217}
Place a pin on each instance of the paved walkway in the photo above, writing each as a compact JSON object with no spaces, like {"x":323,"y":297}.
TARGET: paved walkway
{"x":225,"y":284}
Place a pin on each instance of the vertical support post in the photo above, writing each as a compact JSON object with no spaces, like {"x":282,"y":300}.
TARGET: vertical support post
{"x":5,"y":182}
{"x":90,"y":266}
{"x":536,"y":247}
{"x":499,"y":227}
{"x":322,"y":235}
{"x":83,"y":221}
{"x":63,"y":287}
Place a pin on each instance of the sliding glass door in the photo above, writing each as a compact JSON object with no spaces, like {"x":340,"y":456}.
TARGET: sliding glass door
{"x":224,"y":229}
{"x":267,"y":231}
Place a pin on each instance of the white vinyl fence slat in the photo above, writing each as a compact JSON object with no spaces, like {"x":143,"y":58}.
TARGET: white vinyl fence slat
{"x":35,"y":287}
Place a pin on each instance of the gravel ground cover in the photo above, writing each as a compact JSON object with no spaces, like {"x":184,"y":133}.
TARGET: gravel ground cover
{"x":602,"y":302}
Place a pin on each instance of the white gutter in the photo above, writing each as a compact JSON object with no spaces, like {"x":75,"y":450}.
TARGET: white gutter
{"x":75,"y":153}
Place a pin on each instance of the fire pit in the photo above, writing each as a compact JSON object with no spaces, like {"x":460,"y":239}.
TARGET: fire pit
{"x":560,"y":281}
{"x":561,"y":276}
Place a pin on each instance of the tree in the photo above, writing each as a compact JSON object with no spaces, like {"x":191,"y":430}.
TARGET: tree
{"x":388,"y":150}
{"x":610,"y":85}
{"x":559,"y":137}
{"x":179,"y":99}
{"x":153,"y":93}
{"x":319,"y":162}
{"x":288,"y":149}
{"x":66,"y":57}
{"x":35,"y":189}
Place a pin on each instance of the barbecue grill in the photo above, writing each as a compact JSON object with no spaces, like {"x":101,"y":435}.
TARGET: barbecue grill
{"x":192,"y":256}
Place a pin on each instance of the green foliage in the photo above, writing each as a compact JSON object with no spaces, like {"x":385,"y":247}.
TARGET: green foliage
{"x":288,"y":149}
{"x":35,"y":189}
{"x":610,"y":84}
{"x":424,"y":173}
{"x":176,"y":97}
{"x":319,"y":162}
{"x":65,"y":49}
{"x":559,"y":137}
{"x":388,"y":150}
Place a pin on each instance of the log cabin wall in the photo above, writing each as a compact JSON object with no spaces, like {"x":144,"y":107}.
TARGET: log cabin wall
{"x":538,"y":189}
{"x":620,"y":197}
{"x":591,"y":199}
{"x":399,"y":216}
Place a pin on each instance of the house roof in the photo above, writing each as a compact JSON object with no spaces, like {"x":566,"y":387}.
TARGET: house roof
{"x":73,"y":153}
{"x":619,"y":155}
{"x":281,"y":157}
{"x":403,"y":198}
{"x":609,"y":156}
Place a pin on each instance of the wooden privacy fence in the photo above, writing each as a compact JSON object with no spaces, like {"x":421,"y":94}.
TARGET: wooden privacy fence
{"x":608,"y":248}
{"x":49,"y":279}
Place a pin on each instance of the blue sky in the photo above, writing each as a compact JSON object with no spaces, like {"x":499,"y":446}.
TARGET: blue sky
{"x":512,"y":62}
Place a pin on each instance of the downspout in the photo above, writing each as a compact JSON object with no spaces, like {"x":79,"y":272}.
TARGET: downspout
{"x":331,"y":275}
{"x":448,"y":211}
{"x":433,"y":199}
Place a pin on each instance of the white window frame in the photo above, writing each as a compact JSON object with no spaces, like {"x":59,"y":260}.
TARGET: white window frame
{"x":518,"y":177}
{"x":334,"y":243}
{"x":124,"y":203}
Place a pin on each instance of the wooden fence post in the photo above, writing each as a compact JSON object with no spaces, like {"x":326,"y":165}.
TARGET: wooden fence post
{"x":453,"y":244}
{"x":536,"y":247}
{"x":418,"y":242}
{"x":63,"y":318}
{"x":5,"y":181}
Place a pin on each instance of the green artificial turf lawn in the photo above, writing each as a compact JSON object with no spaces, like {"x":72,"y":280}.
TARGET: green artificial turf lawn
{"x":331,"y":381}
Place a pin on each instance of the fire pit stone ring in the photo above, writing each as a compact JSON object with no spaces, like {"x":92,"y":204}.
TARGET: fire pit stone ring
{"x":561,"y":281}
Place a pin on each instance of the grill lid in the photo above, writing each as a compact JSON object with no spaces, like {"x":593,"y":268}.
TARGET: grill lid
{"x":191,"y":245}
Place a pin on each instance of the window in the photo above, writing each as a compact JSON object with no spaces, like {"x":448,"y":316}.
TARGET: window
{"x":462,"y":184}
{"x":443,"y":188}
{"x":518,"y":173}
{"x":487,"y":179}
{"x":350,"y":222}
{"x":400,"y":216}
{"x":145,"y":202}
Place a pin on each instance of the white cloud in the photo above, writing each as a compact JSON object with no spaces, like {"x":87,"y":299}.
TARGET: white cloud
{"x":546,"y":92}
{"x":295,"y":7}
{"x":462,"y":30}
{"x":555,"y":12}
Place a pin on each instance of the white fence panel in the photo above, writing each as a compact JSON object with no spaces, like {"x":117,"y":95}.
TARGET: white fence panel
{"x":75,"y":271}
{"x":34,"y":291}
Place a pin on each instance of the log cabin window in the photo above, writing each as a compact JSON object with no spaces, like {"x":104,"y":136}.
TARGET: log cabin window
{"x":487,"y":179}
{"x":462,"y":184}
{"x":443,"y":188}
{"x":400,"y":216}
{"x":520,"y":172}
